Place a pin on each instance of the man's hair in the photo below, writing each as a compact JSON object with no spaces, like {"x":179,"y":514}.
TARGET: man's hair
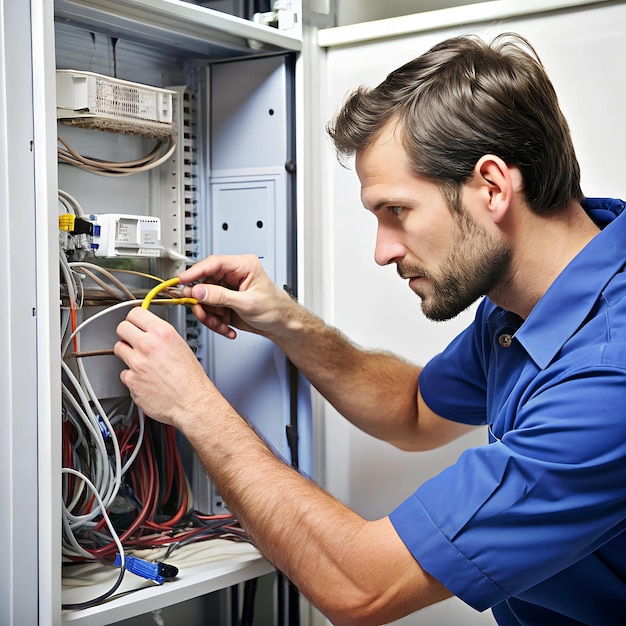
{"x":465,"y":98}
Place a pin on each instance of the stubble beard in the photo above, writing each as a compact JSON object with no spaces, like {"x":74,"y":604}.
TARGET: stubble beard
{"x":475,"y":266}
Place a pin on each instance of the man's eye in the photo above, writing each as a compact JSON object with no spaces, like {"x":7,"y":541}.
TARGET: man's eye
{"x":396,"y":210}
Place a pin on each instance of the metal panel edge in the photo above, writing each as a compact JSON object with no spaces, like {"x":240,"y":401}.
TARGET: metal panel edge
{"x":195,"y":21}
{"x":48,"y":321}
{"x":442,"y":18}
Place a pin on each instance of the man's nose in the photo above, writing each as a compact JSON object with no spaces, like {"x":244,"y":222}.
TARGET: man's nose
{"x":389,"y":247}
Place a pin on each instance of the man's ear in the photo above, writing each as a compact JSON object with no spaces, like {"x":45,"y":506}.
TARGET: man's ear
{"x":495,"y":180}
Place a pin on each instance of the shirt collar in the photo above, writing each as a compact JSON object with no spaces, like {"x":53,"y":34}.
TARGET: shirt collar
{"x":570,"y":298}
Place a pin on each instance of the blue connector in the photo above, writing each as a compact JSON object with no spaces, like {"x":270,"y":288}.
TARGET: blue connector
{"x":158,"y":572}
{"x":103,"y":427}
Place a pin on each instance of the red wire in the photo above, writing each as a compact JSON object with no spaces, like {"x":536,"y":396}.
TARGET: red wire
{"x":143,"y":478}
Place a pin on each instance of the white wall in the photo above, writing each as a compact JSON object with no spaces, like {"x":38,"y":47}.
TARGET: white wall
{"x":354,"y":11}
{"x":583,"y":50}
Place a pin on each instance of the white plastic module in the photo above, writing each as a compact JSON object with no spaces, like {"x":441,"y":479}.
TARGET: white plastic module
{"x":126,"y":235}
{"x":87,"y":93}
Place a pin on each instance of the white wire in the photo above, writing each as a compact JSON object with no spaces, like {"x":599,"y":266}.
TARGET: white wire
{"x":96,"y":455}
{"x":65,"y":320}
{"x":88,"y":388}
{"x":175,"y":256}
{"x":142,"y":421}
{"x":71,"y":202}
{"x":69,"y":281}
{"x":71,"y":546}
{"x":84,"y":265}
{"x":101,"y":167}
{"x":105,"y":515}
{"x":113,"y":307}
{"x":110,"y":480}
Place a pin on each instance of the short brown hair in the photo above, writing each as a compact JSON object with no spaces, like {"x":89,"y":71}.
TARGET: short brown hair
{"x":465,"y":98}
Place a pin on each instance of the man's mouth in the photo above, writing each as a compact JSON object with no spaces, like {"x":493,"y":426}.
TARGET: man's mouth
{"x":416,"y":283}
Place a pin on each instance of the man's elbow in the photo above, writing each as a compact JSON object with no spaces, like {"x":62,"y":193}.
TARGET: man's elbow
{"x":360,"y":608}
{"x":352,"y":609}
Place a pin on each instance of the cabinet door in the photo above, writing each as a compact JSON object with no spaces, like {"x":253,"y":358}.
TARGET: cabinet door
{"x":252,"y":182}
{"x":28,"y":267}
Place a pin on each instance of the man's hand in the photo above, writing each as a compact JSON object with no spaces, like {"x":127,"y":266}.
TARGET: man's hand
{"x":235,"y":292}
{"x":164,"y":376}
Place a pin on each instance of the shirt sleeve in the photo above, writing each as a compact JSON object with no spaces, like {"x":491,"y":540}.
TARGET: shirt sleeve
{"x":549,"y":492}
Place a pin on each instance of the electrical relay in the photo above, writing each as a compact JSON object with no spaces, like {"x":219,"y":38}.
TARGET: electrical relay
{"x":115,"y":234}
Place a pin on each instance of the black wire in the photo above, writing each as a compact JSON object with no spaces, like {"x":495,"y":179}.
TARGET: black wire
{"x":294,"y":604}
{"x":247,"y":611}
{"x":99,"y":599}
{"x":234,"y":604}
{"x":280,"y":599}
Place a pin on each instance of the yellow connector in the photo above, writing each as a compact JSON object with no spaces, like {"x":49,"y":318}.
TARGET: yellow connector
{"x":67,"y":221}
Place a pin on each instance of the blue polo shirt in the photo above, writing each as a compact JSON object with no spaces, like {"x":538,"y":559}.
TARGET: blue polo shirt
{"x":533,"y":524}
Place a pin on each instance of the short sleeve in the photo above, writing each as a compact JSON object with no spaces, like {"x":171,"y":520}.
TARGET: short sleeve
{"x":547,"y":494}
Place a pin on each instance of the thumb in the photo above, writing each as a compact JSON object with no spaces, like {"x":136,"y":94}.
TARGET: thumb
{"x":214,"y":295}
{"x":199,"y":292}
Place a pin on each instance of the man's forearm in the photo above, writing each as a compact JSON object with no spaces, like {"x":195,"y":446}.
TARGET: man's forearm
{"x":316,"y":541}
{"x":374,"y":390}
{"x":319,"y":543}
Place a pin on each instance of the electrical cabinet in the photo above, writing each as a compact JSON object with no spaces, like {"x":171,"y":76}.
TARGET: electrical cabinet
{"x":98,"y":207}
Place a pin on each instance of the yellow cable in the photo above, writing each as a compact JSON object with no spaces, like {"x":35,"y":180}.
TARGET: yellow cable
{"x":189,"y":301}
{"x":160,"y":287}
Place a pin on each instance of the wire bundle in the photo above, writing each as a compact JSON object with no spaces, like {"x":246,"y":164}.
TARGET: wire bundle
{"x":149,"y":506}
{"x":124,"y":485}
{"x":162,"y":151}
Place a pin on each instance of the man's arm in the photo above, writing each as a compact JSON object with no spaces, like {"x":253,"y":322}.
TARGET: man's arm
{"x":376,"y":391}
{"x":354,"y":571}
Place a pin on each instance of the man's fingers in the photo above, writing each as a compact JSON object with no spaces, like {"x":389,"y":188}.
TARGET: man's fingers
{"x":128,"y":332}
{"x":218,"y":319}
{"x":216,"y":268}
{"x":214,"y":296}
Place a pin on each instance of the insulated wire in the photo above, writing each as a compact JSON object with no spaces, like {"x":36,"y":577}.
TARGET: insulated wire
{"x":120,"y":305}
{"x":116,"y":539}
{"x":89,"y":268}
{"x":89,"y":454}
{"x":97,"y":443}
{"x":71,"y":203}
{"x":117,"y":471}
{"x":155,"y":290}
{"x":109,"y":480}
{"x":118,"y":270}
{"x":70,"y":283}
{"x":123,"y":168}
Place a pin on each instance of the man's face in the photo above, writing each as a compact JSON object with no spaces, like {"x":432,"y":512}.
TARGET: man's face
{"x":449,"y":256}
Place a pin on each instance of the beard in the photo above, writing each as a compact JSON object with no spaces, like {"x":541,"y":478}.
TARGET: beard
{"x":476,"y":264}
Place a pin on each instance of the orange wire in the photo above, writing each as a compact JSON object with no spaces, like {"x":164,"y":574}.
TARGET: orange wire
{"x":73,"y":320}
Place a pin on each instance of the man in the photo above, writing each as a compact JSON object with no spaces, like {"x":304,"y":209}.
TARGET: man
{"x":467,"y":164}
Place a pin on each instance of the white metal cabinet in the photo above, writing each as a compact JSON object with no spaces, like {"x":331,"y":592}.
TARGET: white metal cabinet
{"x":159,"y":42}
